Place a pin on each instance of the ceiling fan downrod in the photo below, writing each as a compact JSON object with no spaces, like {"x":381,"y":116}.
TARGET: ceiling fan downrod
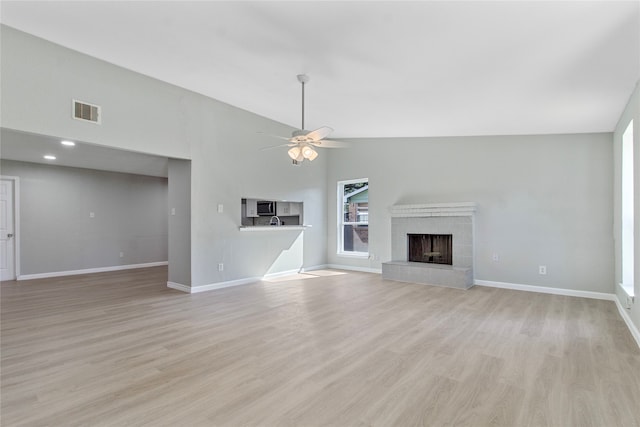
{"x":303,"y":78}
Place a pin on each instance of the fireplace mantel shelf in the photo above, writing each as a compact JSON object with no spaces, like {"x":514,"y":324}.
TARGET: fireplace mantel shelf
{"x":433,"y":209}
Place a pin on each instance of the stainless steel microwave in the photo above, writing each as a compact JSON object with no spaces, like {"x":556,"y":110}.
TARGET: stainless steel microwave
{"x":266,"y":208}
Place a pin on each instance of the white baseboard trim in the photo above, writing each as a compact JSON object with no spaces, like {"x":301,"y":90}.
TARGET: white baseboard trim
{"x":248,"y":280}
{"x":546,"y":290}
{"x":353,"y":268}
{"x":281,"y":273}
{"x":90,"y":270}
{"x":627,"y":319}
{"x":314,"y":267}
{"x":227,"y":284}
{"x":179,"y":287}
{"x":238,"y":282}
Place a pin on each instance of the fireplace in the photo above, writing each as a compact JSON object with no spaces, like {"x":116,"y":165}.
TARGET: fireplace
{"x":432,"y":244}
{"x":430,"y":248}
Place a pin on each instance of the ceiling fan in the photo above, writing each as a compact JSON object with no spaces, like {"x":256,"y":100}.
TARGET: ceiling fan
{"x":302,"y":142}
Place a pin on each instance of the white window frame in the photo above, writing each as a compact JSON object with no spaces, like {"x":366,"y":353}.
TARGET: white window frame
{"x":341,"y":223}
{"x":627,"y":210}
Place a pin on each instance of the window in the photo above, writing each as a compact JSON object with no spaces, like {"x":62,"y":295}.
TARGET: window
{"x":353,"y":217}
{"x":627,"y":208}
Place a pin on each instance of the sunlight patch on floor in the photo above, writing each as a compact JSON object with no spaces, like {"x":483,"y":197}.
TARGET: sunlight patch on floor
{"x":304,"y":276}
{"x":325,"y":273}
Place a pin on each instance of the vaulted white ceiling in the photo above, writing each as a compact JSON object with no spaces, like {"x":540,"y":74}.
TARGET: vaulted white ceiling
{"x":377,"y":69}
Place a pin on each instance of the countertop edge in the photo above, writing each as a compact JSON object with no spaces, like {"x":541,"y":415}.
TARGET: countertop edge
{"x":273,"y":227}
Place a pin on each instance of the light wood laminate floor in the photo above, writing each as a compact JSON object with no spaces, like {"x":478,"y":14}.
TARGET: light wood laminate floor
{"x":338,"y":349}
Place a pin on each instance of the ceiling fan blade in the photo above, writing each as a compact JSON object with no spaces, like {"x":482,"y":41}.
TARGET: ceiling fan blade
{"x":327,"y":143}
{"x":277,"y":146}
{"x":275,"y":136}
{"x":318,"y":134}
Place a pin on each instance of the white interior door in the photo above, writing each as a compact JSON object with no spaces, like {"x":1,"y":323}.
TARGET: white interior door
{"x":7,"y":230}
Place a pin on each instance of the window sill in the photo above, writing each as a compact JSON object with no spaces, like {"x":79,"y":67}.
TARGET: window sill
{"x":628,"y":288}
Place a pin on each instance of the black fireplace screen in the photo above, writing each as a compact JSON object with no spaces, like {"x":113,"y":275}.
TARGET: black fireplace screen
{"x":430,"y":248}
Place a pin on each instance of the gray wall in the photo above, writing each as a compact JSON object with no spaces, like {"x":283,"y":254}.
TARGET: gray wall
{"x":542,"y":200}
{"x":39,"y":79}
{"x":179,"y":211}
{"x":57,"y":233}
{"x":631,"y":112}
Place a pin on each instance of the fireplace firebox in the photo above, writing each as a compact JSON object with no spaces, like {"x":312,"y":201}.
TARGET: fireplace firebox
{"x":430,"y":248}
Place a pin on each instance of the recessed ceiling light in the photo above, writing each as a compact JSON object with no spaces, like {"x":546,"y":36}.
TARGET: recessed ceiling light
{"x":68,"y":143}
{"x":49,"y":157}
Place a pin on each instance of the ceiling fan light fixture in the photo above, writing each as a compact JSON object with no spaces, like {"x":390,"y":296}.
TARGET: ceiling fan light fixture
{"x":313,"y":156}
{"x":294,"y":152}
{"x":309,"y":153}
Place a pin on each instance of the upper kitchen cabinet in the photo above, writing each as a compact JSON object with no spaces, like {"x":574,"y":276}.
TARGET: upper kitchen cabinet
{"x":252,"y":208}
{"x":289,"y":209}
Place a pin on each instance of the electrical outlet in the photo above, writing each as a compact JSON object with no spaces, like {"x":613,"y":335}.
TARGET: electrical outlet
{"x":542,"y":269}
{"x":121,"y":254}
{"x":220,"y":267}
{"x":92,"y":214}
{"x":173,"y":211}
{"x":220,"y":208}
{"x":629,"y":301}
{"x":496,"y":257}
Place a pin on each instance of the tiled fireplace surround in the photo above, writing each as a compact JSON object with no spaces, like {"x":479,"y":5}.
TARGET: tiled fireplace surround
{"x":433,"y":218}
